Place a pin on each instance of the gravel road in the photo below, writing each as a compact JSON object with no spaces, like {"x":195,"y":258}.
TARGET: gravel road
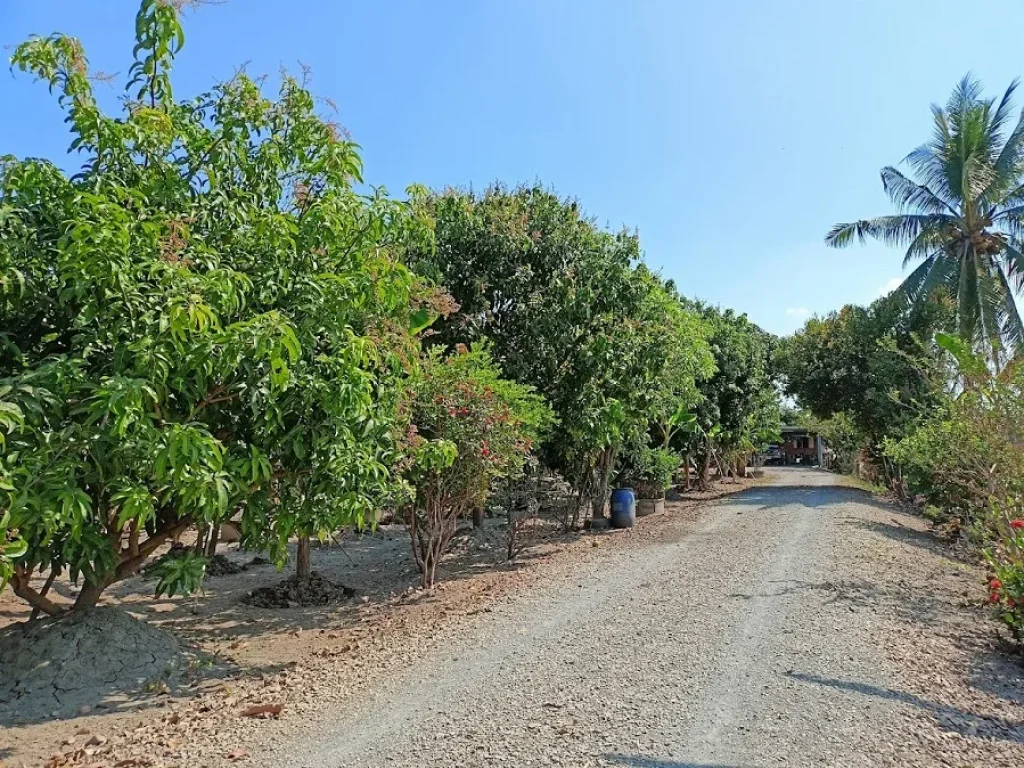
{"x":753,"y":637}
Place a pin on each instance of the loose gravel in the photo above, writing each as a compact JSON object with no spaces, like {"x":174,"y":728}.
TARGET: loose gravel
{"x":776,"y":631}
{"x":797,"y":623}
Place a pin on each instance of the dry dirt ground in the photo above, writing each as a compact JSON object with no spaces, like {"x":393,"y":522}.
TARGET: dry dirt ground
{"x":795,"y":623}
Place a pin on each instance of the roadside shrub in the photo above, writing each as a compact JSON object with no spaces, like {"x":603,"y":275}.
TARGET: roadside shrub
{"x":966,"y":458}
{"x":649,"y":471}
{"x":1006,"y":560}
{"x":968,"y":453}
{"x":471,"y":429}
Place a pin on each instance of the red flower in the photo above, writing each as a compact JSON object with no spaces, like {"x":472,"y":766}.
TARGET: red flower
{"x":1017,"y":524}
{"x":993,"y":598}
{"x":995,"y":584}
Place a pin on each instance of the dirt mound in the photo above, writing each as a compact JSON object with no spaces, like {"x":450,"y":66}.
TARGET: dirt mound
{"x":104,"y":658}
{"x":219,"y":565}
{"x":316,"y":590}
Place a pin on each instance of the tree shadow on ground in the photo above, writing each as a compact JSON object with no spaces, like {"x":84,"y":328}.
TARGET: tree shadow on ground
{"x":895,"y":530}
{"x":636,"y":761}
{"x":852,"y":590}
{"x":946,"y":717}
{"x":999,"y":672}
{"x":379,"y":566}
{"x":814,"y":496}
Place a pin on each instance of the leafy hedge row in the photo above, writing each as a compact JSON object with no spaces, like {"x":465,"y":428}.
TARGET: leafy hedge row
{"x":213,"y":319}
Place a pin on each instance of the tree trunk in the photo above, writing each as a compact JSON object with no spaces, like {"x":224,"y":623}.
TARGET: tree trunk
{"x":211,"y":545}
{"x":20,"y":584}
{"x":601,"y":471}
{"x":201,"y":533}
{"x":37,"y":609}
{"x":303,"y":564}
{"x":705,"y":475}
{"x":88,"y":596}
{"x":478,"y":517}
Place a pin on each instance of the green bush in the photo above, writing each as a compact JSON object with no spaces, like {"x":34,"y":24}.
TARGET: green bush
{"x":1006,"y":560}
{"x":966,"y":454}
{"x":471,"y":429}
{"x":649,"y":471}
{"x":966,"y":458}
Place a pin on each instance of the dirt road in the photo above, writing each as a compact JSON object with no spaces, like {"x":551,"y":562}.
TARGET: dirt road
{"x":762,"y":635}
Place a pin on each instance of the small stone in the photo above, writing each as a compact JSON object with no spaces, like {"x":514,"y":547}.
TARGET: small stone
{"x":83,"y":710}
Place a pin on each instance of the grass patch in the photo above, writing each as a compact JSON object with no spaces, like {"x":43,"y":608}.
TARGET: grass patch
{"x":849,"y":481}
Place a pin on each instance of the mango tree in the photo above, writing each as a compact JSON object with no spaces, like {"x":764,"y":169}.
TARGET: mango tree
{"x":205,"y":319}
{"x":739,"y":408}
{"x":568,"y":312}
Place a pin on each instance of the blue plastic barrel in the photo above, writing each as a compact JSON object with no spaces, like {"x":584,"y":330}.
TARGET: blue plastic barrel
{"x":623,"y":508}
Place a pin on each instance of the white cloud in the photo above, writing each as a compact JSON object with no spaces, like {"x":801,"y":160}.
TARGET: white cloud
{"x":798,"y":312}
{"x":890,"y":286}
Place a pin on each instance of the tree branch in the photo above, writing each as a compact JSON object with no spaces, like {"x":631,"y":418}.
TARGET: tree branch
{"x":38,"y":601}
{"x":131,"y":564}
{"x":217,"y":395}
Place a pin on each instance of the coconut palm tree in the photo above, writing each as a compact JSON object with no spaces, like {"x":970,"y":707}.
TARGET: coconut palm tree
{"x":963,"y":215}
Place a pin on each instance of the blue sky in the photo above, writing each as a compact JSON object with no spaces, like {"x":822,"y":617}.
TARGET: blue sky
{"x":732,"y":135}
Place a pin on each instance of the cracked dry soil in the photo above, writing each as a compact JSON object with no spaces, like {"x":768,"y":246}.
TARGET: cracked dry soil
{"x":57,"y":669}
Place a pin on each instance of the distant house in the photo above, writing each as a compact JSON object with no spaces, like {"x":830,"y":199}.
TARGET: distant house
{"x":800,"y":445}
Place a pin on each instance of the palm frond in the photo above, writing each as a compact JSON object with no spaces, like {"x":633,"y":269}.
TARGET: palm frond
{"x":1011,"y":223}
{"x":1007,"y":168}
{"x":929,"y":165}
{"x":966,"y":93}
{"x":937,"y":271}
{"x":1004,"y":110}
{"x":990,"y":306}
{"x":968,"y":300}
{"x":1013,"y":197}
{"x":978,"y":176}
{"x":929,"y":239}
{"x":891,"y":230}
{"x":1011,"y":214}
{"x":1013,"y":264}
{"x":1012,"y":328}
{"x":906,"y":193}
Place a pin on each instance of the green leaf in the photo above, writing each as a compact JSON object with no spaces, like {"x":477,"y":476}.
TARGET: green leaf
{"x":420,"y":320}
{"x":970,"y":364}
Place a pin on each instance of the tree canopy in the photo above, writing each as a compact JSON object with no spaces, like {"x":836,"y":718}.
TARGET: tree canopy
{"x":206,"y":317}
{"x":569,"y":309}
{"x":874,"y":364}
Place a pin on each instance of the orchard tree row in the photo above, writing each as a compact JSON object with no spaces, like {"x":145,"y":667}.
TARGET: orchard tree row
{"x":213,"y":319}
